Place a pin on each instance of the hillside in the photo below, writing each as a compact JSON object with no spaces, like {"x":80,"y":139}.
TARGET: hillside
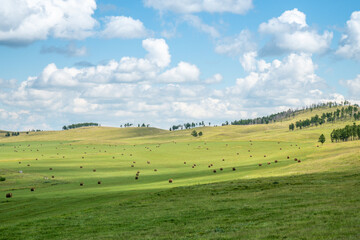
{"x":233,"y":182}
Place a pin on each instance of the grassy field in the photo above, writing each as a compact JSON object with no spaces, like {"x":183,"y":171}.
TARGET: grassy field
{"x":316,"y":198}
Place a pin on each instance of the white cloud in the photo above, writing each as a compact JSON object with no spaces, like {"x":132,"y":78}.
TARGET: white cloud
{"x":290,"y":32}
{"x":81,"y":105}
{"x":237,"y":45}
{"x":70,"y":50}
{"x":350,"y":41}
{"x":194,"y":6}
{"x":353,"y":86}
{"x":25,"y":21}
{"x":123,"y":27}
{"x":7,"y":83}
{"x":158,"y":51}
{"x":217,"y":78}
{"x":196,"y":22}
{"x":183,"y":72}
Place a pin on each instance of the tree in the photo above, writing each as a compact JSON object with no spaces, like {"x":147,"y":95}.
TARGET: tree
{"x":200,"y":134}
{"x":65,"y":128}
{"x":7,"y":134}
{"x":194,"y":133}
{"x":322,"y":139}
{"x":291,"y":127}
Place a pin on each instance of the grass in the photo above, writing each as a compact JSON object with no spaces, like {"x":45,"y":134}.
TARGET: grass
{"x":314,"y":199}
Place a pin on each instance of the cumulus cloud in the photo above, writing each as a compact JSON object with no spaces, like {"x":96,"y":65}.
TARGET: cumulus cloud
{"x":158,"y":51}
{"x":70,"y":50}
{"x":183,"y":72}
{"x":194,"y":6}
{"x":290,"y":81}
{"x":350,"y":40}
{"x":123,"y":27}
{"x":238,"y":45}
{"x":25,"y":21}
{"x":290,"y":33}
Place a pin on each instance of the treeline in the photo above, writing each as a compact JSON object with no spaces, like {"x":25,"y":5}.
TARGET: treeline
{"x":139,"y":125}
{"x":330,"y":117}
{"x":78,"y":125}
{"x":283,"y":115}
{"x":347,"y":133}
{"x":188,"y":126}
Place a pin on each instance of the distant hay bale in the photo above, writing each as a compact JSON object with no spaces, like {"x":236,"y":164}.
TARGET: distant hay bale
{"x":209,"y":166}
{"x":132,"y":165}
{"x":233,"y":169}
{"x":52,"y":176}
{"x":276,"y":161}
{"x":249,"y":150}
{"x":155,"y":170}
{"x":99,"y":182}
{"x":81,"y":184}
{"x":260,"y":164}
{"x":148,"y":162}
{"x":250,"y":155}
{"x":221,"y":169}
{"x":134,"y":162}
{"x":32,"y":189}
{"x":8,"y":195}
{"x":288,"y":157}
{"x":237,"y":153}
{"x":214,"y":171}
{"x":170,"y":180}
{"x":269,"y":163}
{"x":80,"y":166}
{"x":223,"y":159}
{"x":184,"y":162}
{"x":19,"y":162}
{"x":264,"y":155}
{"x":136,"y":177}
{"x":299,"y":161}
{"x":280,"y":148}
{"x":50,"y":169}
{"x":94,"y":170}
{"x":28,"y":165}
{"x":295,"y":159}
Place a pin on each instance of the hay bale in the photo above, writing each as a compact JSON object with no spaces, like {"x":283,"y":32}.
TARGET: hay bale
{"x":155,"y":170}
{"x":81,"y":167}
{"x":299,"y":161}
{"x":223,"y":160}
{"x":28,"y":165}
{"x":237,"y":153}
{"x":260,"y":164}
{"x":214,"y":171}
{"x":269,"y":163}
{"x":32,"y":189}
{"x":19,"y":162}
{"x":50,"y":169}
{"x":184,"y":162}
{"x":8,"y":195}
{"x":264,"y":155}
{"x":136,"y":177}
{"x":52,"y":176}
{"x":288,"y":157}
{"x":233,"y":169}
{"x":221,"y":169}
{"x":170,"y":180}
{"x":250,"y":155}
{"x":81,"y":184}
{"x":94,"y":170}
{"x":132,"y":165}
{"x":276,"y":161}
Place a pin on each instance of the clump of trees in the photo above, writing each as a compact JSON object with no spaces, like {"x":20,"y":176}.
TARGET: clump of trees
{"x":8,"y":134}
{"x":194,"y":133}
{"x":330,"y":117}
{"x":78,"y":125}
{"x":345,"y":134}
{"x":188,"y":126}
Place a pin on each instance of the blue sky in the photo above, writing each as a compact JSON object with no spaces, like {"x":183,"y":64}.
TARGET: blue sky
{"x":168,"y":62}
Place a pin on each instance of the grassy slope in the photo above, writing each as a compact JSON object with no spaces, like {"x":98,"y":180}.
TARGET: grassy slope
{"x":247,"y":205}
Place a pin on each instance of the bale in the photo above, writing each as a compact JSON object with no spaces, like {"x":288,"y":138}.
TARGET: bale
{"x":170,"y":180}
{"x":223,"y":159}
{"x":28,"y":165}
{"x":299,"y":161}
{"x":184,"y":162}
{"x":50,"y":169}
{"x":276,"y":161}
{"x":32,"y":189}
{"x":221,"y":169}
{"x":132,"y":165}
{"x":99,"y":182}
{"x":237,"y":153}
{"x":269,"y":163}
{"x":233,"y":169}
{"x":280,"y":148}
{"x":249,"y":150}
{"x":19,"y":162}
{"x":193,"y":166}
{"x":264,"y":155}
{"x":209,"y":166}
{"x":155,"y":170}
{"x":52,"y":176}
{"x":94,"y":170}
{"x":134,"y":162}
{"x":136,"y":177}
{"x":81,"y":184}
{"x":250,"y":155}
{"x":148,"y":162}
{"x":288,"y":157}
{"x":214,"y":171}
{"x":260,"y":164}
{"x":317,"y":146}
{"x":8,"y":195}
{"x":295,"y":159}
{"x":80,"y":166}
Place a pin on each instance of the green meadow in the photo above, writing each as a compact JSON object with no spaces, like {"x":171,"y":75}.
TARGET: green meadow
{"x":218,"y":189}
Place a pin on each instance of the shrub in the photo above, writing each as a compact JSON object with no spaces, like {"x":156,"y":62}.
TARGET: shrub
{"x":194,"y":133}
{"x":2,"y":179}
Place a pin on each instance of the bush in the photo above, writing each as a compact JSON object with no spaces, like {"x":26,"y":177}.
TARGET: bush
{"x":2,"y":179}
{"x":200,"y":134}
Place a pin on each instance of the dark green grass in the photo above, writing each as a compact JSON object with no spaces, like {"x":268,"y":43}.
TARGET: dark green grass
{"x":313,"y":206}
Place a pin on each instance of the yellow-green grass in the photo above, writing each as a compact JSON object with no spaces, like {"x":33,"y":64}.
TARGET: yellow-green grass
{"x":112,"y":151}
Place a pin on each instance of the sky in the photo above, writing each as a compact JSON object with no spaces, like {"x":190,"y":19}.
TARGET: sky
{"x":166,"y":63}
